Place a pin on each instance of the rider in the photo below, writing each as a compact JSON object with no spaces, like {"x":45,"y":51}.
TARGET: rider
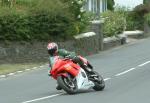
{"x":54,"y":51}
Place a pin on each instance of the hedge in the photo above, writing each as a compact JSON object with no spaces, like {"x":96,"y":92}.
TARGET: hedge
{"x":135,"y":18}
{"x":114,"y":23}
{"x":134,"y":21}
{"x":147,"y":18}
{"x":41,"y":20}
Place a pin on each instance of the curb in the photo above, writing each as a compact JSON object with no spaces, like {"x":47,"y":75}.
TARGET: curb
{"x":25,"y":70}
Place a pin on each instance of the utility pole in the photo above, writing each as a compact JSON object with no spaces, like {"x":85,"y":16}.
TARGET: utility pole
{"x":98,"y":9}
{"x":12,"y":3}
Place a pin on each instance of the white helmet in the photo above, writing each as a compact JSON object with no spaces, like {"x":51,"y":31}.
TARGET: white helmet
{"x":52,"y":48}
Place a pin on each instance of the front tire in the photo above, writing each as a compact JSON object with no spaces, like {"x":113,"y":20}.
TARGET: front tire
{"x":67,"y":84}
{"x":100,"y":84}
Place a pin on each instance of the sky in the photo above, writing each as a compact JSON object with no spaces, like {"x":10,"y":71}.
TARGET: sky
{"x":128,"y":3}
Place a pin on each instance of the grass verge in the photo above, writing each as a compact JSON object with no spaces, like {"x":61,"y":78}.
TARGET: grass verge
{"x":9,"y":68}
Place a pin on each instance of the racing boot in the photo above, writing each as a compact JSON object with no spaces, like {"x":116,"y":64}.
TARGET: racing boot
{"x":58,"y":87}
{"x":88,"y":70}
{"x":91,"y":73}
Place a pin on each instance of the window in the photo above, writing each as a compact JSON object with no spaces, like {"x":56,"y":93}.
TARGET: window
{"x":91,"y":5}
{"x":101,"y":5}
{"x":94,"y":6}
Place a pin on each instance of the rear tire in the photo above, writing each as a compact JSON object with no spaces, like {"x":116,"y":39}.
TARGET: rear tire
{"x":65,"y":86}
{"x":99,"y":85}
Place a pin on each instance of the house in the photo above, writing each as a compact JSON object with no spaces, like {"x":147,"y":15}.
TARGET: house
{"x":92,"y":5}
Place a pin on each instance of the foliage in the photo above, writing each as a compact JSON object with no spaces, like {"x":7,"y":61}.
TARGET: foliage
{"x":146,"y":1}
{"x":142,"y":9}
{"x":147,"y":18}
{"x":39,"y":20}
{"x":113,"y":26}
{"x":76,"y":8}
{"x":135,"y":18}
{"x":134,"y":21}
{"x":12,"y":24}
{"x":110,"y":4}
{"x":90,"y":15}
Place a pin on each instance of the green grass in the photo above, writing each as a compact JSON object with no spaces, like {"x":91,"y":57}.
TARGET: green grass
{"x":9,"y":68}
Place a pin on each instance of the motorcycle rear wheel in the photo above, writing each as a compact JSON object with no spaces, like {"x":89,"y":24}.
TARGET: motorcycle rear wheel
{"x":67,"y":84}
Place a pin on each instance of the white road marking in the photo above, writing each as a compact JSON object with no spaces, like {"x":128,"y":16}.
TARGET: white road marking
{"x":144,"y":64}
{"x":19,"y":71}
{"x":51,"y":96}
{"x":107,"y":79}
{"x":38,"y":99}
{"x":55,"y":95}
{"x":41,"y":66}
{"x":46,"y":64}
{"x":11,"y":74}
{"x":132,"y":69}
{"x":34,"y":67}
{"x":125,"y":72}
{"x":2,"y":76}
{"x":27,"y":69}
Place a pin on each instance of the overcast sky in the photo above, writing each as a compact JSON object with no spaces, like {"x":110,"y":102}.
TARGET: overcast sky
{"x":128,"y":3}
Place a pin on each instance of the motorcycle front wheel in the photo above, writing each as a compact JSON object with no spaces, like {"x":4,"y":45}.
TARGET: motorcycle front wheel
{"x":100,"y":84}
{"x":68,"y":84}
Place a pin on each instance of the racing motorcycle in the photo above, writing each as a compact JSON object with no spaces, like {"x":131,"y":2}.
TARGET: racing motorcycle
{"x":72,"y":78}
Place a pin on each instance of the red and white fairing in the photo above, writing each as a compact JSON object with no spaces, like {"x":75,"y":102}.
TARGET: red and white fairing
{"x":64,"y":66}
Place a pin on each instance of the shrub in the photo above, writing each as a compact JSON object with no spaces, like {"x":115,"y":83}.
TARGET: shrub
{"x":146,"y":1}
{"x":142,"y":9}
{"x":76,"y":9}
{"x":134,"y":21}
{"x":38,"y":20}
{"x":147,"y":18}
{"x":12,"y":25}
{"x":114,"y":23}
{"x":52,"y":20}
{"x":135,"y":18}
{"x":110,"y":4}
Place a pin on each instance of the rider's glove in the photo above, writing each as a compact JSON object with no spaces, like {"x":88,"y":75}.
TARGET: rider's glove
{"x":49,"y":74}
{"x":69,"y":57}
{"x":90,"y":66}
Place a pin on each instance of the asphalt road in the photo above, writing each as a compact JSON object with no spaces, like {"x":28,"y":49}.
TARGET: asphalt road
{"x":126,"y":70}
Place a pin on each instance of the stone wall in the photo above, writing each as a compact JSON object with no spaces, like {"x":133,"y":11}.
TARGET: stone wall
{"x":84,"y":44}
{"x":37,"y":52}
{"x":17,"y":52}
{"x":87,"y":45}
{"x":111,"y":42}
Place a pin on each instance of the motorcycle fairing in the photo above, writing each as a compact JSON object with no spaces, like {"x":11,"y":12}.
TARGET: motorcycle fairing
{"x":64,"y":66}
{"x":82,"y":81}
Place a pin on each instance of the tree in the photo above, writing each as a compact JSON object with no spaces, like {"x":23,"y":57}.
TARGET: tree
{"x":110,"y":4}
{"x":9,"y":3}
{"x":76,"y":7}
{"x":146,"y":1}
{"x":5,"y":2}
{"x":12,"y":2}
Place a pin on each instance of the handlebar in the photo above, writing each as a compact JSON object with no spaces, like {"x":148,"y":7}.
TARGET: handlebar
{"x":64,"y":59}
